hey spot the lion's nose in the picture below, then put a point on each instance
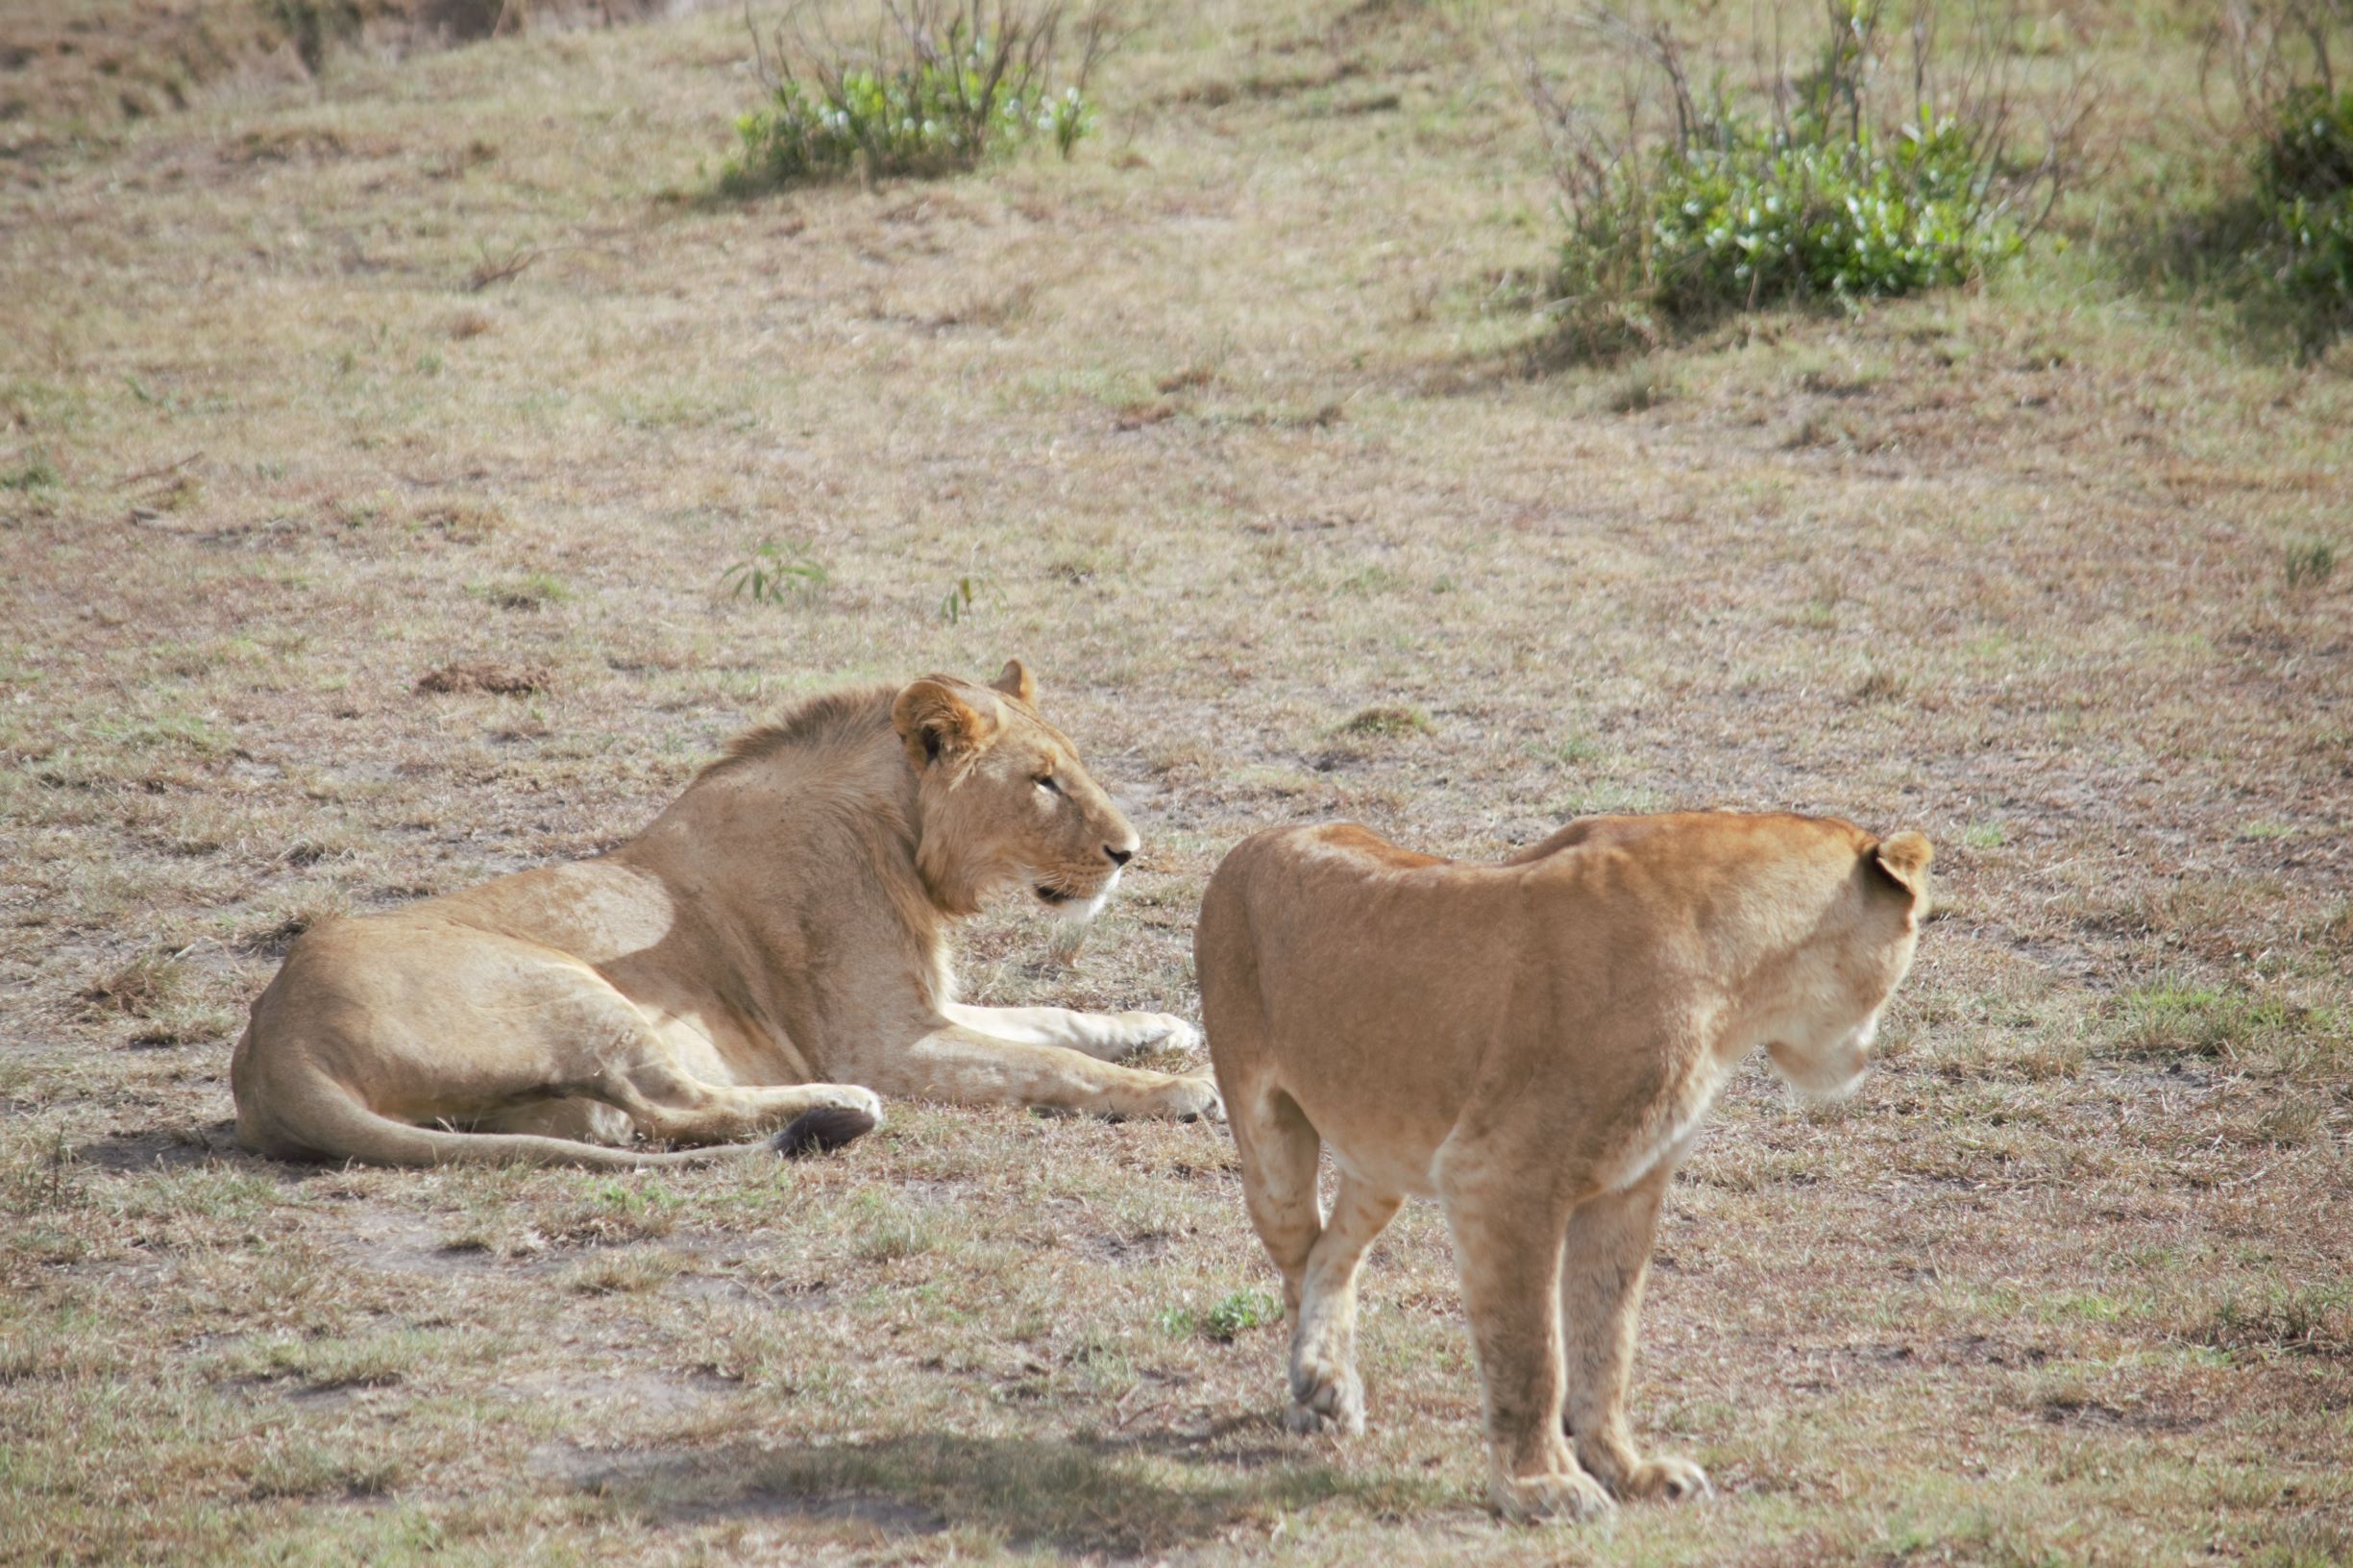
(1118, 857)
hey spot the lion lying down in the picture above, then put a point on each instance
(771, 949)
(1533, 1044)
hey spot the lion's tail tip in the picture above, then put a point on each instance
(823, 1130)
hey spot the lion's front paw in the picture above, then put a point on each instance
(1326, 1398)
(1194, 1097)
(850, 1097)
(1166, 1031)
(1675, 1480)
(1558, 1494)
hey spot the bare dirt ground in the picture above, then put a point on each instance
(317, 387)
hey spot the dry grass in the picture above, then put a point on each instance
(1228, 425)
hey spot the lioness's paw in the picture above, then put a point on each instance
(1675, 1480)
(1561, 1494)
(1166, 1030)
(1194, 1097)
(1326, 1398)
(849, 1098)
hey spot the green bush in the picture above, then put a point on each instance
(2306, 174)
(1749, 214)
(1702, 204)
(949, 89)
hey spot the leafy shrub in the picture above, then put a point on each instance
(2307, 183)
(1811, 193)
(2286, 240)
(941, 88)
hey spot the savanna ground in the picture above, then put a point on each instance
(1238, 428)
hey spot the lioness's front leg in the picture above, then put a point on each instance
(1108, 1036)
(960, 1065)
(1508, 1241)
(1605, 1259)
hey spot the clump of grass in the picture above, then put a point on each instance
(1387, 721)
(1812, 190)
(2171, 1021)
(533, 592)
(943, 86)
(774, 574)
(888, 1229)
(33, 473)
(368, 1362)
(1643, 389)
(2304, 1319)
(2310, 563)
(1879, 686)
(142, 988)
(1241, 1310)
(621, 1273)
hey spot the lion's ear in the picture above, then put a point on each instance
(1015, 682)
(934, 722)
(1905, 857)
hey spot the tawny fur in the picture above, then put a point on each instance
(773, 943)
(1533, 1044)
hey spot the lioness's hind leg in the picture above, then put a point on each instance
(1605, 1259)
(1326, 1391)
(667, 1102)
(1278, 1150)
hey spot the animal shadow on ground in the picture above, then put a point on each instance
(1070, 1497)
(173, 1147)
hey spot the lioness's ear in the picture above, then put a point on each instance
(1905, 856)
(934, 722)
(1013, 681)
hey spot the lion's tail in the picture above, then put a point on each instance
(336, 1125)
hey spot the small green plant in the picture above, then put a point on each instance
(1813, 192)
(34, 474)
(944, 86)
(1243, 1310)
(533, 592)
(962, 599)
(1386, 721)
(774, 574)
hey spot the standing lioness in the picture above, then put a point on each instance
(1533, 1043)
(773, 946)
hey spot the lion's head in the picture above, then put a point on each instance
(1821, 1042)
(1005, 800)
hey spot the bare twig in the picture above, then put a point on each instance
(146, 474)
(489, 272)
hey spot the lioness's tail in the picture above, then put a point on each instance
(334, 1125)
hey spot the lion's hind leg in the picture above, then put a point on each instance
(653, 1091)
(1326, 1391)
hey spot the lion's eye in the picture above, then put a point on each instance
(1046, 782)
